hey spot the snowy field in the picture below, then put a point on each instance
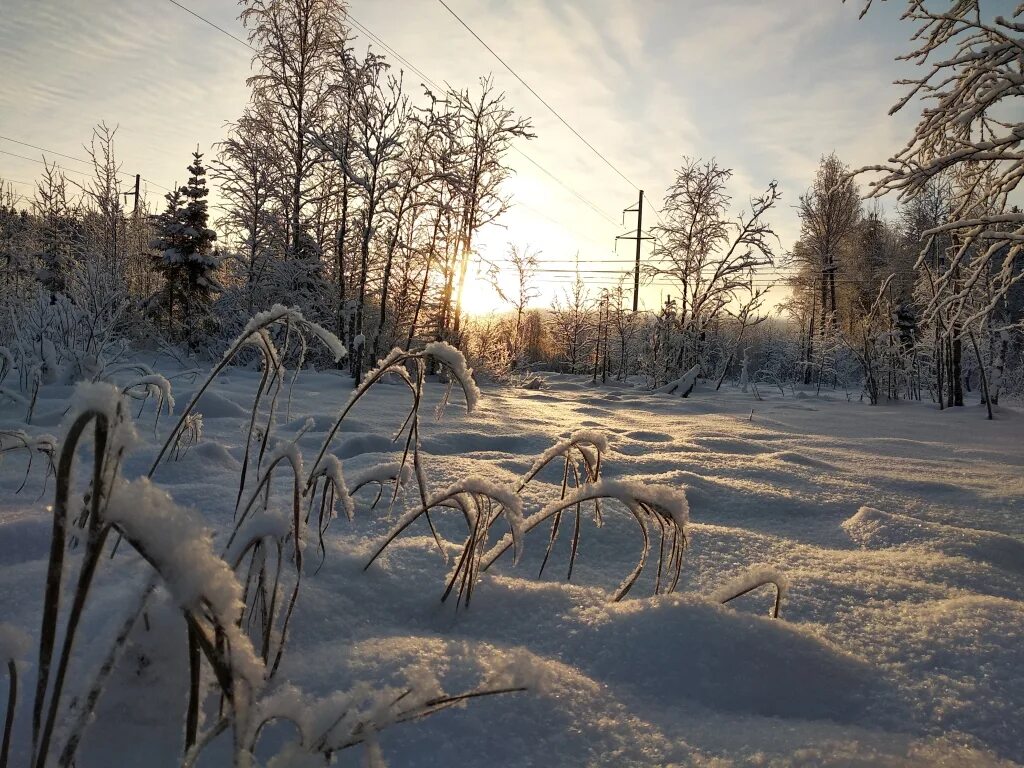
(900, 529)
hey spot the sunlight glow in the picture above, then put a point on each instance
(479, 296)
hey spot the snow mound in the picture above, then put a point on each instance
(214, 406)
(874, 529)
(724, 659)
(214, 453)
(356, 445)
(966, 655)
(565, 715)
(793, 457)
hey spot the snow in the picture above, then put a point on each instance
(14, 644)
(330, 468)
(682, 386)
(332, 342)
(180, 548)
(384, 472)
(898, 529)
(258, 525)
(99, 397)
(104, 399)
(872, 528)
(178, 545)
(157, 386)
(581, 438)
(276, 314)
(453, 360)
(629, 492)
(215, 406)
(750, 580)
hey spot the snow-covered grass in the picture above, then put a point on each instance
(898, 530)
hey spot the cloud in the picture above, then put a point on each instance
(765, 87)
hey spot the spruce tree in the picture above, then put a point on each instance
(185, 255)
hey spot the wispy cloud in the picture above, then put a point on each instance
(765, 86)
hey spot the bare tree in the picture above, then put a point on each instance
(488, 128)
(523, 262)
(104, 220)
(627, 325)
(710, 255)
(247, 177)
(416, 173)
(57, 228)
(300, 47)
(571, 323)
(381, 117)
(746, 317)
(829, 213)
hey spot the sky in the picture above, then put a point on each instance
(766, 87)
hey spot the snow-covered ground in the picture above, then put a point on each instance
(900, 529)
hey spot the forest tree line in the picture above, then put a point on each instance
(349, 192)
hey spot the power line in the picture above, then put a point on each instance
(418, 71)
(437, 87)
(369, 33)
(551, 109)
(68, 157)
(569, 189)
(42, 149)
(207, 21)
(40, 162)
(539, 98)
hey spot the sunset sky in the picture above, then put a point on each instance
(765, 87)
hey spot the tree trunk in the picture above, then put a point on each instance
(984, 380)
(382, 318)
(957, 369)
(423, 285)
(342, 237)
(810, 349)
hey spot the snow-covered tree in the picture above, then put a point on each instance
(829, 213)
(969, 132)
(185, 254)
(487, 128)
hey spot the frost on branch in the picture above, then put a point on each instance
(14, 643)
(455, 362)
(658, 508)
(751, 579)
(970, 132)
(482, 502)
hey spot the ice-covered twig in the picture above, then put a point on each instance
(155, 386)
(481, 502)
(19, 440)
(584, 445)
(651, 505)
(750, 580)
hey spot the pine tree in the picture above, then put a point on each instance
(185, 255)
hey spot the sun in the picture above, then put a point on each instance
(479, 296)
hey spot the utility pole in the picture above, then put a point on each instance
(639, 237)
(135, 194)
(135, 220)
